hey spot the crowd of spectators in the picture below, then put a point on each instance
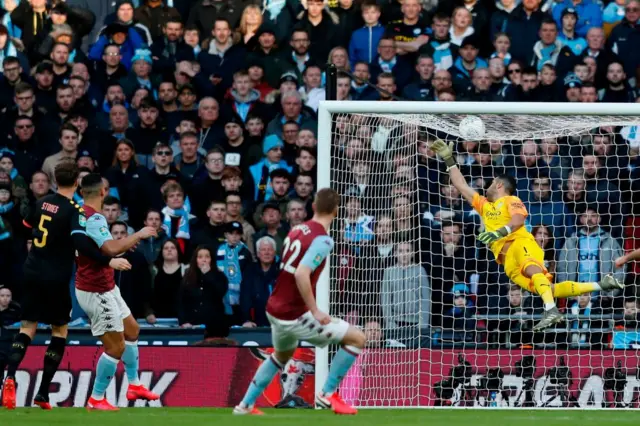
(201, 116)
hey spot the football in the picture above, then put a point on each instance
(471, 127)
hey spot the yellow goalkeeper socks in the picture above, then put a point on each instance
(543, 287)
(572, 288)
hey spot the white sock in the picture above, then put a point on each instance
(549, 306)
(597, 287)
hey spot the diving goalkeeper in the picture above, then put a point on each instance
(512, 245)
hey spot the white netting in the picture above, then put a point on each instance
(445, 326)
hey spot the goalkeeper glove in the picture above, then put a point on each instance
(445, 151)
(493, 236)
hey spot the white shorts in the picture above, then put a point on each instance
(287, 334)
(105, 310)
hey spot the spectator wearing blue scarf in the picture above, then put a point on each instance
(233, 259)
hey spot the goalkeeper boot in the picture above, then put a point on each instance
(140, 392)
(610, 283)
(42, 402)
(9, 394)
(550, 317)
(240, 410)
(100, 405)
(335, 402)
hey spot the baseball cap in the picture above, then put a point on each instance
(569, 11)
(471, 40)
(44, 66)
(289, 76)
(234, 226)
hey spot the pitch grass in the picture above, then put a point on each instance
(223, 417)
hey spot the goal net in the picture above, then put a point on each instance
(445, 327)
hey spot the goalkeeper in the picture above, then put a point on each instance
(513, 246)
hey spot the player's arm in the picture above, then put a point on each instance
(313, 258)
(629, 257)
(98, 231)
(445, 151)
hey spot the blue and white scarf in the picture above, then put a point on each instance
(228, 262)
(274, 7)
(183, 225)
(387, 66)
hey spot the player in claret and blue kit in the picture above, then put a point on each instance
(294, 315)
(100, 298)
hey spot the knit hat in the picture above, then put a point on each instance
(460, 289)
(271, 142)
(572, 81)
(5, 153)
(142, 54)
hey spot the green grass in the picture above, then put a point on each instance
(223, 417)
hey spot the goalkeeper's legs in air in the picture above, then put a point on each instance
(285, 341)
(524, 266)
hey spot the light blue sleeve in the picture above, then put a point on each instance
(98, 229)
(317, 252)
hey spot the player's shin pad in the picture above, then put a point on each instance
(572, 288)
(542, 286)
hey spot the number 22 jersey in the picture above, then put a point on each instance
(306, 244)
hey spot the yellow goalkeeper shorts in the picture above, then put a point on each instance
(522, 253)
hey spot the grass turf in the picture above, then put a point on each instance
(203, 417)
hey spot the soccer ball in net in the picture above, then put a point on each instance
(471, 127)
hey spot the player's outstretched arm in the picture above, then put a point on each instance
(634, 255)
(116, 247)
(445, 151)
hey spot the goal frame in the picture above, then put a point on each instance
(325, 128)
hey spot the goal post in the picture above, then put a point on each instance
(374, 154)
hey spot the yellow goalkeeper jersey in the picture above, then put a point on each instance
(498, 214)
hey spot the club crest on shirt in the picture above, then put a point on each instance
(231, 270)
(499, 205)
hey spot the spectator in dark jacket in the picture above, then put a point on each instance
(169, 272)
(210, 232)
(154, 15)
(169, 48)
(124, 15)
(258, 284)
(127, 38)
(220, 58)
(202, 294)
(204, 14)
(388, 61)
(523, 25)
